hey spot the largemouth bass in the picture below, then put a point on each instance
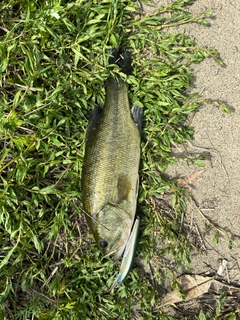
(110, 168)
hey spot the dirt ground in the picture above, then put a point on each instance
(216, 209)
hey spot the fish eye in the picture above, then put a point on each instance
(103, 243)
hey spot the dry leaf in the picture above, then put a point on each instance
(192, 286)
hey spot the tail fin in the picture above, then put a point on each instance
(122, 59)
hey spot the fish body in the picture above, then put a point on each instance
(110, 169)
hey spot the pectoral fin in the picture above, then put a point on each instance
(124, 187)
(95, 116)
(137, 114)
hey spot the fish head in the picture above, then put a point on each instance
(112, 228)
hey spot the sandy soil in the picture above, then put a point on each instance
(217, 189)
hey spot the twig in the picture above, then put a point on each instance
(237, 267)
(199, 234)
(62, 174)
(50, 277)
(206, 219)
(21, 86)
(183, 182)
(42, 296)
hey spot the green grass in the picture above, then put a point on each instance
(54, 60)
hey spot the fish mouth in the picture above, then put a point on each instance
(116, 253)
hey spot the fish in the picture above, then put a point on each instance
(110, 177)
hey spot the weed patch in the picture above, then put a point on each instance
(54, 61)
